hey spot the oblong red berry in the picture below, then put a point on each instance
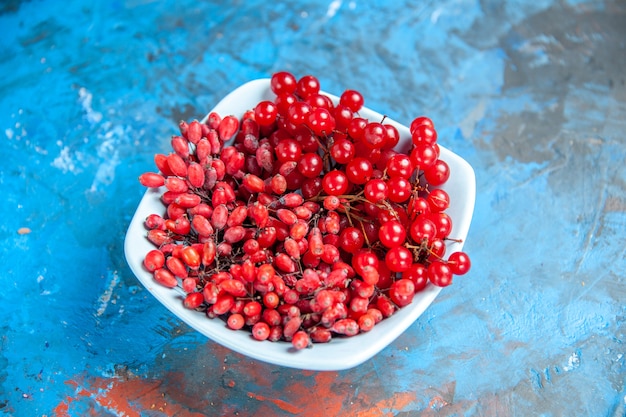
(193, 300)
(188, 200)
(151, 179)
(234, 234)
(195, 175)
(227, 128)
(165, 278)
(194, 132)
(154, 260)
(177, 165)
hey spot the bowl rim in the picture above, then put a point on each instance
(341, 353)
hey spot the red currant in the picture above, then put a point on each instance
(307, 85)
(375, 190)
(439, 274)
(283, 82)
(399, 259)
(310, 165)
(265, 113)
(438, 173)
(352, 99)
(374, 135)
(342, 151)
(459, 263)
(359, 170)
(392, 233)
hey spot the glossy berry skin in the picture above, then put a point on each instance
(335, 183)
(375, 190)
(422, 229)
(392, 233)
(265, 113)
(321, 121)
(399, 189)
(459, 263)
(402, 292)
(439, 273)
(424, 134)
(352, 99)
(399, 259)
(423, 156)
(342, 151)
(438, 173)
(374, 135)
(400, 165)
(419, 121)
(307, 86)
(288, 150)
(283, 82)
(438, 200)
(417, 274)
(351, 239)
(359, 170)
(310, 165)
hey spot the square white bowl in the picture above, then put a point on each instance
(342, 352)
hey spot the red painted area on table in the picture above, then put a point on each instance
(224, 383)
(283, 405)
(124, 397)
(317, 395)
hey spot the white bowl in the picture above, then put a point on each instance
(341, 352)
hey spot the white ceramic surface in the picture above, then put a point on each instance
(340, 353)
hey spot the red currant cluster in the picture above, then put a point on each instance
(299, 221)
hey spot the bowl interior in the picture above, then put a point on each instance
(340, 353)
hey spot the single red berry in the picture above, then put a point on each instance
(321, 121)
(438, 173)
(359, 170)
(288, 150)
(421, 120)
(459, 263)
(400, 165)
(335, 182)
(439, 273)
(399, 259)
(402, 292)
(417, 274)
(398, 189)
(193, 300)
(310, 165)
(424, 134)
(151, 179)
(165, 278)
(154, 260)
(351, 239)
(352, 99)
(392, 233)
(283, 82)
(301, 340)
(423, 156)
(422, 229)
(261, 331)
(307, 85)
(438, 200)
(342, 151)
(375, 190)
(265, 113)
(236, 321)
(374, 135)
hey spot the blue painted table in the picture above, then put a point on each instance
(532, 94)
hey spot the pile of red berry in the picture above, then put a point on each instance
(300, 221)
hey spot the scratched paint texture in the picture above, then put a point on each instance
(532, 94)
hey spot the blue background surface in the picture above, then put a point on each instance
(532, 94)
